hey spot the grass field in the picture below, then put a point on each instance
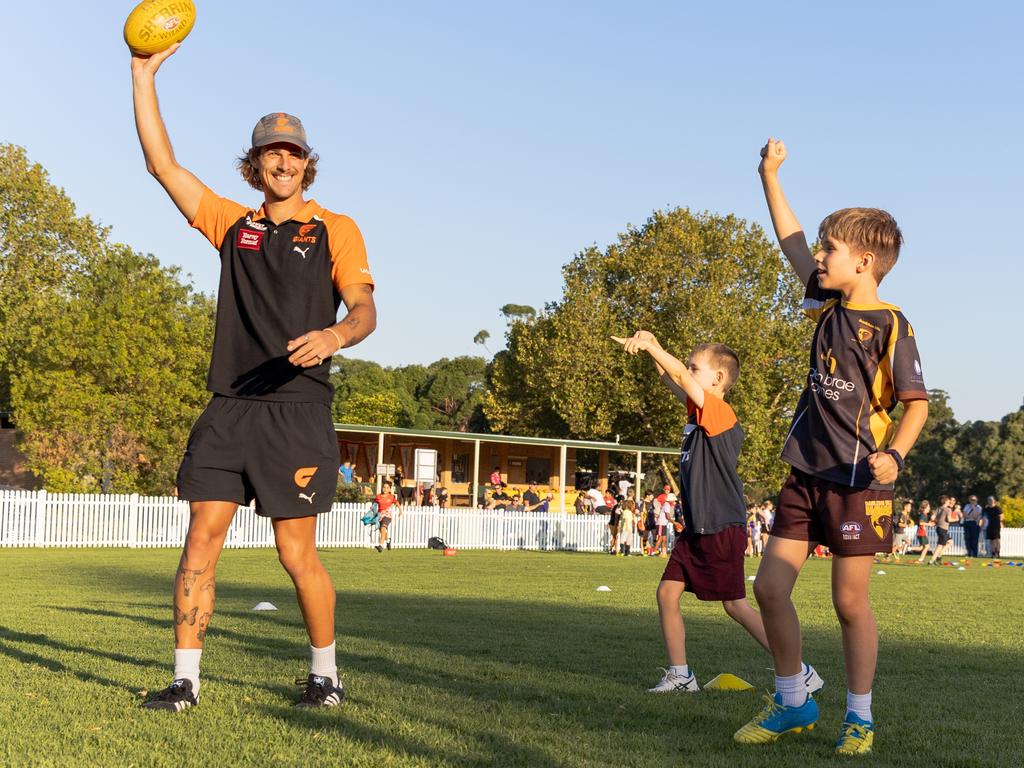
(485, 659)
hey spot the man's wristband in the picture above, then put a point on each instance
(338, 339)
(897, 458)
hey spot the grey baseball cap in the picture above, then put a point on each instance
(279, 126)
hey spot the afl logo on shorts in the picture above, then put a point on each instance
(303, 475)
(850, 530)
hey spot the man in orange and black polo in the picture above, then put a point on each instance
(267, 434)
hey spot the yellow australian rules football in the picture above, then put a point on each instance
(156, 25)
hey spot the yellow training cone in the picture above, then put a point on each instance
(727, 682)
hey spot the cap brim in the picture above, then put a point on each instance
(268, 140)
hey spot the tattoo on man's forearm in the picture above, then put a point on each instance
(183, 617)
(204, 622)
(189, 576)
(351, 320)
(208, 586)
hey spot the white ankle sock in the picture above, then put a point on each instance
(186, 665)
(681, 669)
(323, 663)
(859, 704)
(792, 689)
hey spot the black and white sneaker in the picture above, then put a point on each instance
(320, 692)
(177, 697)
(813, 680)
(673, 683)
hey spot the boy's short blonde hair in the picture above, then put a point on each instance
(722, 358)
(866, 229)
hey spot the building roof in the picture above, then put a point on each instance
(510, 439)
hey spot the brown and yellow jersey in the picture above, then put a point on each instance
(277, 281)
(864, 360)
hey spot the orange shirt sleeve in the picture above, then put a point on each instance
(348, 252)
(216, 215)
(716, 417)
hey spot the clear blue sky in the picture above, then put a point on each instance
(479, 146)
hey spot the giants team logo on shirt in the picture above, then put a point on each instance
(304, 236)
(249, 239)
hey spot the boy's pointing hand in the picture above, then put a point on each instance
(641, 341)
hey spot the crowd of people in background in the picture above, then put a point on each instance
(652, 519)
(982, 528)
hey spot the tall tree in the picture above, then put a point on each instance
(110, 383)
(689, 278)
(452, 393)
(43, 243)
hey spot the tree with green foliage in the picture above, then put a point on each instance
(930, 468)
(518, 312)
(451, 395)
(688, 278)
(109, 385)
(377, 409)
(445, 395)
(481, 338)
(43, 243)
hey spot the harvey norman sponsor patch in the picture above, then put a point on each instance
(249, 239)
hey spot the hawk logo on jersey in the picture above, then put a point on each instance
(304, 236)
(303, 475)
(877, 510)
(866, 331)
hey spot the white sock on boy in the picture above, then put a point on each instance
(792, 689)
(859, 704)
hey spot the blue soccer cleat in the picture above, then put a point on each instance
(776, 719)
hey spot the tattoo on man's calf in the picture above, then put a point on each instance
(185, 617)
(189, 576)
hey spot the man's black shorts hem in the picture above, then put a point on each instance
(282, 454)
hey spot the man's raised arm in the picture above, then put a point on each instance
(787, 228)
(184, 189)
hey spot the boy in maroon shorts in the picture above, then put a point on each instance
(844, 450)
(707, 558)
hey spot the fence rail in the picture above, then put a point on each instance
(41, 519)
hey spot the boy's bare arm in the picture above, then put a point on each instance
(673, 371)
(883, 466)
(787, 229)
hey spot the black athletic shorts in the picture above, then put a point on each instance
(943, 534)
(283, 454)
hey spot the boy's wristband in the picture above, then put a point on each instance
(897, 458)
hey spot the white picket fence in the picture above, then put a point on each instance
(41, 519)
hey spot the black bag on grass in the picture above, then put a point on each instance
(436, 542)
